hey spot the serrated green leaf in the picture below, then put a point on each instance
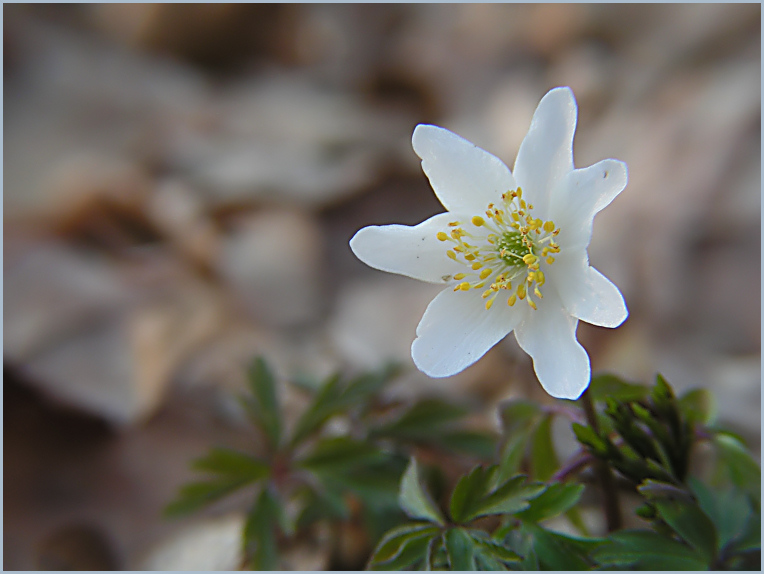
(557, 551)
(543, 458)
(393, 541)
(691, 524)
(743, 470)
(512, 454)
(647, 550)
(729, 510)
(556, 499)
(605, 386)
(232, 463)
(412, 548)
(325, 405)
(469, 490)
(508, 498)
(496, 550)
(424, 419)
(260, 532)
(336, 454)
(195, 495)
(263, 406)
(460, 549)
(699, 406)
(415, 501)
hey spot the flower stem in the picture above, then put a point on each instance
(604, 475)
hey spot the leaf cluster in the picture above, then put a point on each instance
(307, 474)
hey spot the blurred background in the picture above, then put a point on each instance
(181, 182)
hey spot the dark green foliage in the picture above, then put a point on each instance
(499, 516)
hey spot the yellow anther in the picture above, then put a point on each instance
(454, 224)
(532, 304)
(549, 226)
(479, 286)
(531, 276)
(540, 278)
(521, 291)
(460, 276)
(550, 260)
(469, 257)
(519, 192)
(537, 292)
(523, 205)
(486, 293)
(464, 286)
(515, 216)
(477, 221)
(512, 300)
(489, 303)
(451, 254)
(477, 265)
(538, 223)
(485, 273)
(458, 248)
(529, 259)
(442, 236)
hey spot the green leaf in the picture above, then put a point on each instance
(751, 538)
(263, 407)
(512, 453)
(460, 548)
(689, 522)
(393, 541)
(610, 386)
(401, 548)
(233, 464)
(509, 498)
(195, 495)
(476, 443)
(468, 491)
(729, 511)
(543, 458)
(488, 547)
(260, 532)
(556, 499)
(557, 551)
(325, 405)
(415, 501)
(743, 470)
(647, 550)
(587, 437)
(337, 454)
(699, 406)
(424, 419)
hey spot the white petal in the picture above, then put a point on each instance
(586, 293)
(548, 335)
(464, 177)
(414, 251)
(546, 154)
(582, 194)
(456, 330)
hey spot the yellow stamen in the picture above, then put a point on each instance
(477, 221)
(442, 236)
(460, 276)
(485, 273)
(488, 304)
(549, 226)
(477, 265)
(511, 301)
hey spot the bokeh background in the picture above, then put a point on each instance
(181, 182)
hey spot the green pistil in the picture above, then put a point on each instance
(511, 245)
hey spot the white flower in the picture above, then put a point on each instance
(511, 249)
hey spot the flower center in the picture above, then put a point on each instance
(508, 250)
